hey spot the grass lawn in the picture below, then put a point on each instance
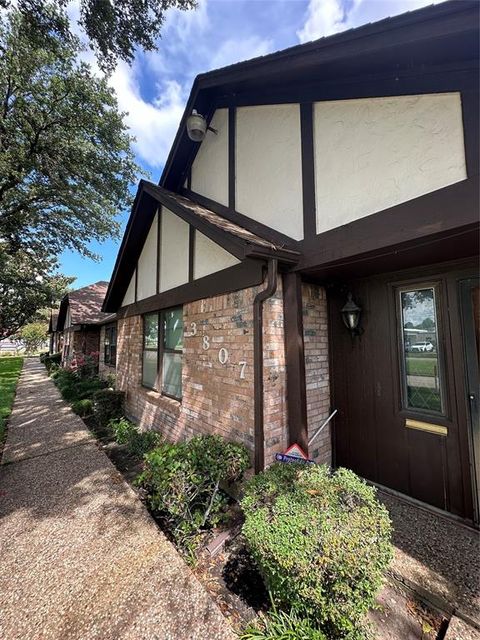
(9, 372)
(421, 366)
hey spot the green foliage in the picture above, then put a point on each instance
(65, 157)
(138, 442)
(321, 541)
(183, 482)
(115, 29)
(52, 361)
(10, 369)
(26, 282)
(108, 405)
(279, 625)
(73, 388)
(42, 356)
(83, 408)
(33, 336)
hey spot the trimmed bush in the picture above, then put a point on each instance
(52, 361)
(43, 355)
(138, 442)
(108, 405)
(83, 408)
(183, 482)
(321, 541)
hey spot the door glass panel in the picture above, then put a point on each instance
(420, 345)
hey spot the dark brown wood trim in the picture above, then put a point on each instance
(136, 281)
(438, 79)
(444, 211)
(471, 130)
(191, 253)
(232, 122)
(228, 241)
(308, 170)
(241, 276)
(189, 178)
(295, 361)
(159, 246)
(251, 225)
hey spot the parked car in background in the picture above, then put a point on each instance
(421, 347)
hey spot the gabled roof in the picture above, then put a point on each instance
(232, 237)
(436, 35)
(85, 305)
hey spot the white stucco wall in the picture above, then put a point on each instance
(174, 239)
(269, 168)
(147, 264)
(210, 167)
(209, 257)
(129, 297)
(371, 154)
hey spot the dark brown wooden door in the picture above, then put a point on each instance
(400, 387)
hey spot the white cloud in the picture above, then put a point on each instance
(325, 17)
(153, 124)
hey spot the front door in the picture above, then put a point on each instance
(400, 388)
(470, 314)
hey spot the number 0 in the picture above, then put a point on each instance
(223, 356)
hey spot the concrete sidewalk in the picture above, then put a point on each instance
(80, 557)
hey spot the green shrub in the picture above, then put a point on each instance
(183, 482)
(108, 405)
(138, 442)
(43, 355)
(321, 541)
(83, 408)
(279, 625)
(52, 361)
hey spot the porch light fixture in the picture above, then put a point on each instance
(197, 127)
(351, 316)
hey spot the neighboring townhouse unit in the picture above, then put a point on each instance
(317, 249)
(81, 321)
(55, 344)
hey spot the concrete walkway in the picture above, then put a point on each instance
(79, 555)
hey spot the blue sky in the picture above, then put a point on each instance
(154, 89)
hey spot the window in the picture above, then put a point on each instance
(162, 351)
(421, 366)
(110, 345)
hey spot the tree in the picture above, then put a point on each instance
(114, 28)
(27, 285)
(65, 157)
(33, 336)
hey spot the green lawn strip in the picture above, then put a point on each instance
(9, 373)
(421, 366)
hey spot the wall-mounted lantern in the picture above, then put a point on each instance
(197, 127)
(351, 316)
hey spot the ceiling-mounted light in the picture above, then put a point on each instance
(197, 126)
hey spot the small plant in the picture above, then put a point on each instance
(52, 361)
(183, 482)
(83, 408)
(279, 625)
(321, 541)
(108, 405)
(138, 442)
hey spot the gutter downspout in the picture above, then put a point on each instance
(260, 298)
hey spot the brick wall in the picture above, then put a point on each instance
(217, 398)
(315, 334)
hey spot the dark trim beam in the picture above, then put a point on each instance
(295, 361)
(308, 170)
(232, 122)
(191, 253)
(240, 276)
(444, 211)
